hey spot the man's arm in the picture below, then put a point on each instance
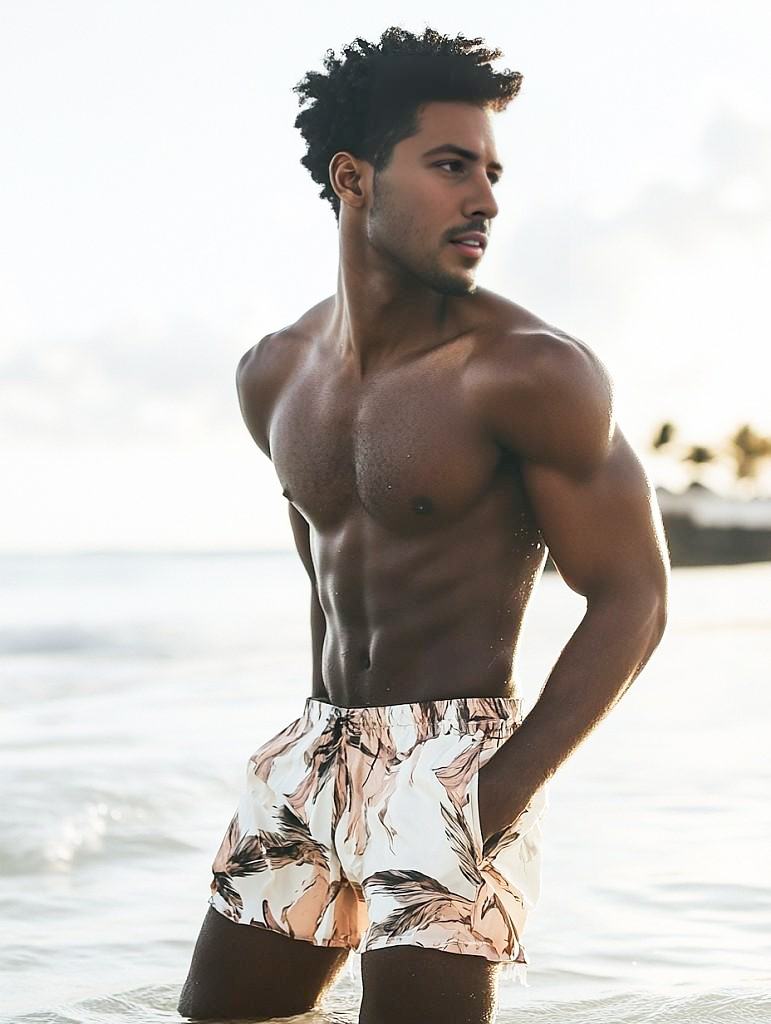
(259, 376)
(258, 379)
(599, 518)
(301, 531)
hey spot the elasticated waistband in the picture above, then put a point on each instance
(456, 714)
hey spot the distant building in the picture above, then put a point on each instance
(705, 528)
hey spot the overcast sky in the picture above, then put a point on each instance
(155, 221)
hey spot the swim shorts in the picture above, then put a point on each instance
(358, 827)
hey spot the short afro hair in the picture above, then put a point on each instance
(371, 100)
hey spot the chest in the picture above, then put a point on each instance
(407, 448)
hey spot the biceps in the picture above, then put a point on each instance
(605, 530)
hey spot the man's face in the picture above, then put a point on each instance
(422, 200)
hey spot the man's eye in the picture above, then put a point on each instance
(446, 163)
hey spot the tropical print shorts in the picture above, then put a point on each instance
(359, 827)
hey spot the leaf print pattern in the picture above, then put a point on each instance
(355, 829)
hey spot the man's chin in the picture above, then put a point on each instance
(451, 284)
(460, 288)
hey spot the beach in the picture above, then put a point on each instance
(135, 686)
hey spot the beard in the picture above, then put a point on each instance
(390, 230)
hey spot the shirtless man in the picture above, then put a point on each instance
(434, 441)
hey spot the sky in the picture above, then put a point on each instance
(156, 222)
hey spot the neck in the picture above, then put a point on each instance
(382, 313)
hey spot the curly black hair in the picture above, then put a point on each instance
(371, 100)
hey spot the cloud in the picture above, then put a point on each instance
(654, 284)
(140, 380)
(733, 198)
(596, 268)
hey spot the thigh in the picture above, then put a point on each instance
(411, 985)
(241, 970)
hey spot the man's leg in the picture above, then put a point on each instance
(411, 985)
(241, 970)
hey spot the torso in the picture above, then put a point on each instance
(423, 543)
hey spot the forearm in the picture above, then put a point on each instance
(610, 647)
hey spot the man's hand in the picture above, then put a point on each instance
(500, 801)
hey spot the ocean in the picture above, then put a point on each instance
(133, 687)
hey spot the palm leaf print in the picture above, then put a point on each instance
(424, 901)
(293, 843)
(406, 886)
(495, 878)
(455, 776)
(488, 712)
(269, 920)
(321, 760)
(463, 843)
(371, 763)
(262, 759)
(431, 713)
(500, 840)
(237, 856)
(224, 886)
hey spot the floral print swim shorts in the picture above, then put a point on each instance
(359, 827)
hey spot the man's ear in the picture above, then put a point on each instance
(345, 176)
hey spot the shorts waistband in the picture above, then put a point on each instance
(456, 714)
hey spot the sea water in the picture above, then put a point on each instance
(134, 687)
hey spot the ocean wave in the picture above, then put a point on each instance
(157, 1003)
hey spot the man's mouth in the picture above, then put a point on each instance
(469, 248)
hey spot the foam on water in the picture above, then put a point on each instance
(153, 1005)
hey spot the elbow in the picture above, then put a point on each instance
(658, 611)
(661, 599)
(644, 609)
(660, 620)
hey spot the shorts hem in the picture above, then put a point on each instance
(277, 931)
(515, 970)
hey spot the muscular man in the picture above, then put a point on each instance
(433, 440)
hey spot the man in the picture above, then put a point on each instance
(433, 440)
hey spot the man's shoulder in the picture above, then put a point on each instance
(537, 386)
(271, 359)
(518, 346)
(266, 368)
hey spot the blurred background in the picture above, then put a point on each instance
(153, 623)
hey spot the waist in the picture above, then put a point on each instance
(456, 714)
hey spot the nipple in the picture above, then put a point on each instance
(422, 505)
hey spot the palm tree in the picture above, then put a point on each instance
(663, 435)
(699, 456)
(749, 448)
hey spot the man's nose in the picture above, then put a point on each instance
(481, 200)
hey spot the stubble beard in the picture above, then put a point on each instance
(389, 231)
